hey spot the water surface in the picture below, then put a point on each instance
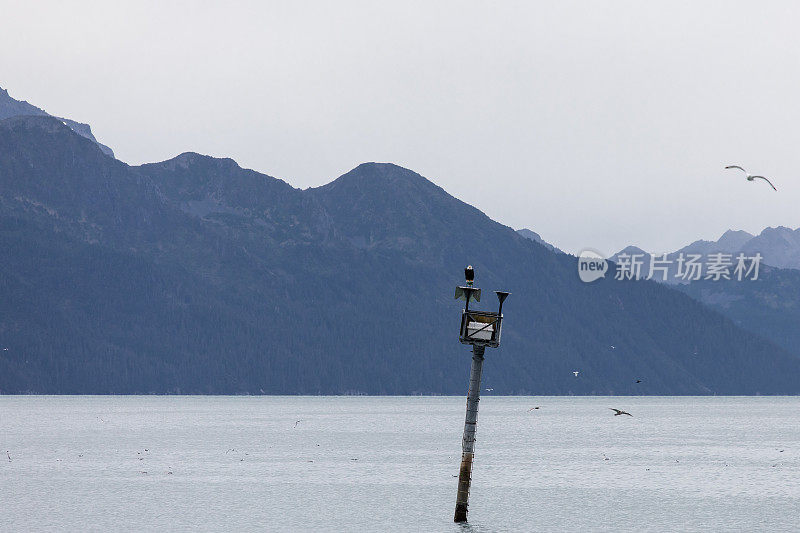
(186, 463)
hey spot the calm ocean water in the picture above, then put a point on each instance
(388, 464)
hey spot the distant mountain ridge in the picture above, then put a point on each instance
(195, 275)
(731, 241)
(779, 247)
(9, 107)
(535, 237)
(768, 306)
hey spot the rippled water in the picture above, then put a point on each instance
(383, 464)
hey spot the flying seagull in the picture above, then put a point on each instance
(489, 390)
(532, 408)
(576, 373)
(618, 412)
(295, 424)
(749, 176)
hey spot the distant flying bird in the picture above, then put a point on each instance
(618, 412)
(489, 390)
(749, 176)
(638, 381)
(613, 347)
(295, 424)
(576, 373)
(532, 408)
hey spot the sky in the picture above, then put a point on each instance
(596, 124)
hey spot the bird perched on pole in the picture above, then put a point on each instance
(749, 176)
(469, 275)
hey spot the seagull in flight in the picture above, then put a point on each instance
(532, 408)
(618, 412)
(749, 176)
(576, 373)
(295, 424)
(489, 390)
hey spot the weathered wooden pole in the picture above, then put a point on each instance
(470, 427)
(480, 329)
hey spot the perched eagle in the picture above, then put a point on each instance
(469, 274)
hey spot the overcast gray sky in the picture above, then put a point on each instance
(596, 124)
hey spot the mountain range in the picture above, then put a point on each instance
(194, 275)
(768, 305)
(779, 247)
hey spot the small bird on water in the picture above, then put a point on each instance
(749, 176)
(618, 412)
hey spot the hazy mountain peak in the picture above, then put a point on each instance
(778, 246)
(532, 235)
(779, 230)
(190, 159)
(9, 107)
(382, 176)
(43, 122)
(734, 239)
(193, 177)
(630, 250)
(730, 242)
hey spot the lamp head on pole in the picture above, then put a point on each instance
(501, 295)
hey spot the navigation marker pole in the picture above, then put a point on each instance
(480, 329)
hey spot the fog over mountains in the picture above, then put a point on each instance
(194, 275)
